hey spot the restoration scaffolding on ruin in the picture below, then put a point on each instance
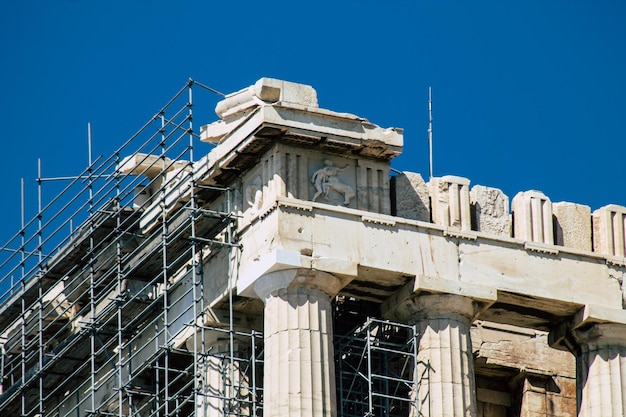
(102, 290)
(104, 294)
(269, 277)
(375, 362)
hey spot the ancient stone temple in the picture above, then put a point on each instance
(287, 271)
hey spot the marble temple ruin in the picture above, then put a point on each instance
(288, 271)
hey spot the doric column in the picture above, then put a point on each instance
(299, 377)
(444, 376)
(601, 370)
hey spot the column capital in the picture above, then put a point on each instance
(271, 282)
(426, 306)
(592, 324)
(600, 335)
(430, 298)
(600, 350)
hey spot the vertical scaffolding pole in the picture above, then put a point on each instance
(414, 393)
(231, 323)
(370, 400)
(41, 342)
(164, 243)
(120, 277)
(23, 341)
(196, 262)
(253, 372)
(40, 284)
(23, 307)
(39, 213)
(92, 294)
(22, 232)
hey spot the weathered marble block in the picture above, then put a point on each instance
(572, 225)
(411, 197)
(450, 202)
(532, 217)
(490, 211)
(609, 230)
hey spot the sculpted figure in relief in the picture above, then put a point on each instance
(325, 179)
(254, 194)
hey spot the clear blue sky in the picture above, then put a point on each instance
(527, 94)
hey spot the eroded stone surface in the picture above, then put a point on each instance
(572, 225)
(411, 197)
(490, 212)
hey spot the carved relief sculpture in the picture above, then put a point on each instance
(325, 179)
(254, 194)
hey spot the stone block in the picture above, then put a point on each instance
(450, 203)
(411, 199)
(572, 225)
(608, 230)
(490, 211)
(533, 403)
(266, 90)
(532, 217)
(566, 385)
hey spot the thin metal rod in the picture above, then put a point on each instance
(196, 262)
(23, 217)
(414, 393)
(78, 177)
(370, 404)
(23, 235)
(164, 272)
(430, 132)
(231, 312)
(39, 212)
(41, 344)
(89, 143)
(119, 273)
(207, 88)
(23, 307)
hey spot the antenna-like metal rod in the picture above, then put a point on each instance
(23, 208)
(430, 132)
(89, 142)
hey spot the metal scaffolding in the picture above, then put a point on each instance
(103, 298)
(375, 364)
(102, 292)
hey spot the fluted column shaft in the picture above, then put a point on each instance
(444, 375)
(601, 369)
(299, 376)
